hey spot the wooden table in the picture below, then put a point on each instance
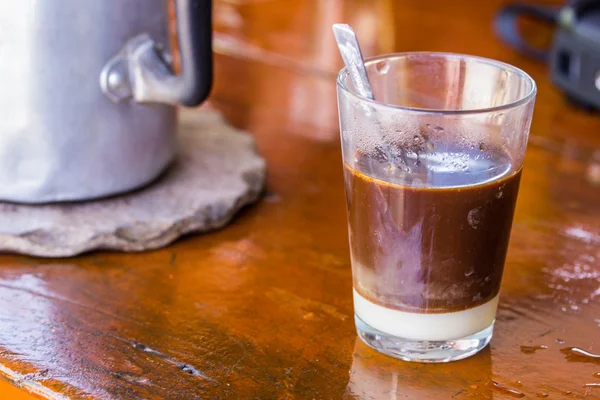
(263, 308)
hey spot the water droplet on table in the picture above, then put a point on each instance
(575, 354)
(506, 390)
(532, 349)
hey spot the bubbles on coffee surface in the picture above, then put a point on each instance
(435, 164)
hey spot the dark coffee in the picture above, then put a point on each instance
(430, 249)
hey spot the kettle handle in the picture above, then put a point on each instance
(194, 29)
(140, 70)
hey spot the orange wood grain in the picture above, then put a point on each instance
(9, 391)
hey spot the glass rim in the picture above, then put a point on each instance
(495, 63)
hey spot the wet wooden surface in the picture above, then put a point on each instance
(263, 308)
(9, 391)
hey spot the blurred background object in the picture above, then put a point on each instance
(573, 53)
(245, 29)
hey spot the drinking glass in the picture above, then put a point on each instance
(432, 169)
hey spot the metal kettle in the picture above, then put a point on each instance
(88, 94)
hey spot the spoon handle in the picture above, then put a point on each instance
(350, 50)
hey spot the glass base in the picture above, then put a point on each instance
(423, 351)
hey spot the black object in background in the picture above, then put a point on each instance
(574, 56)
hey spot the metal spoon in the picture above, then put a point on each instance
(350, 50)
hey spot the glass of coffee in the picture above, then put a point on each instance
(432, 169)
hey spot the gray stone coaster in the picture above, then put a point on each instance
(217, 172)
